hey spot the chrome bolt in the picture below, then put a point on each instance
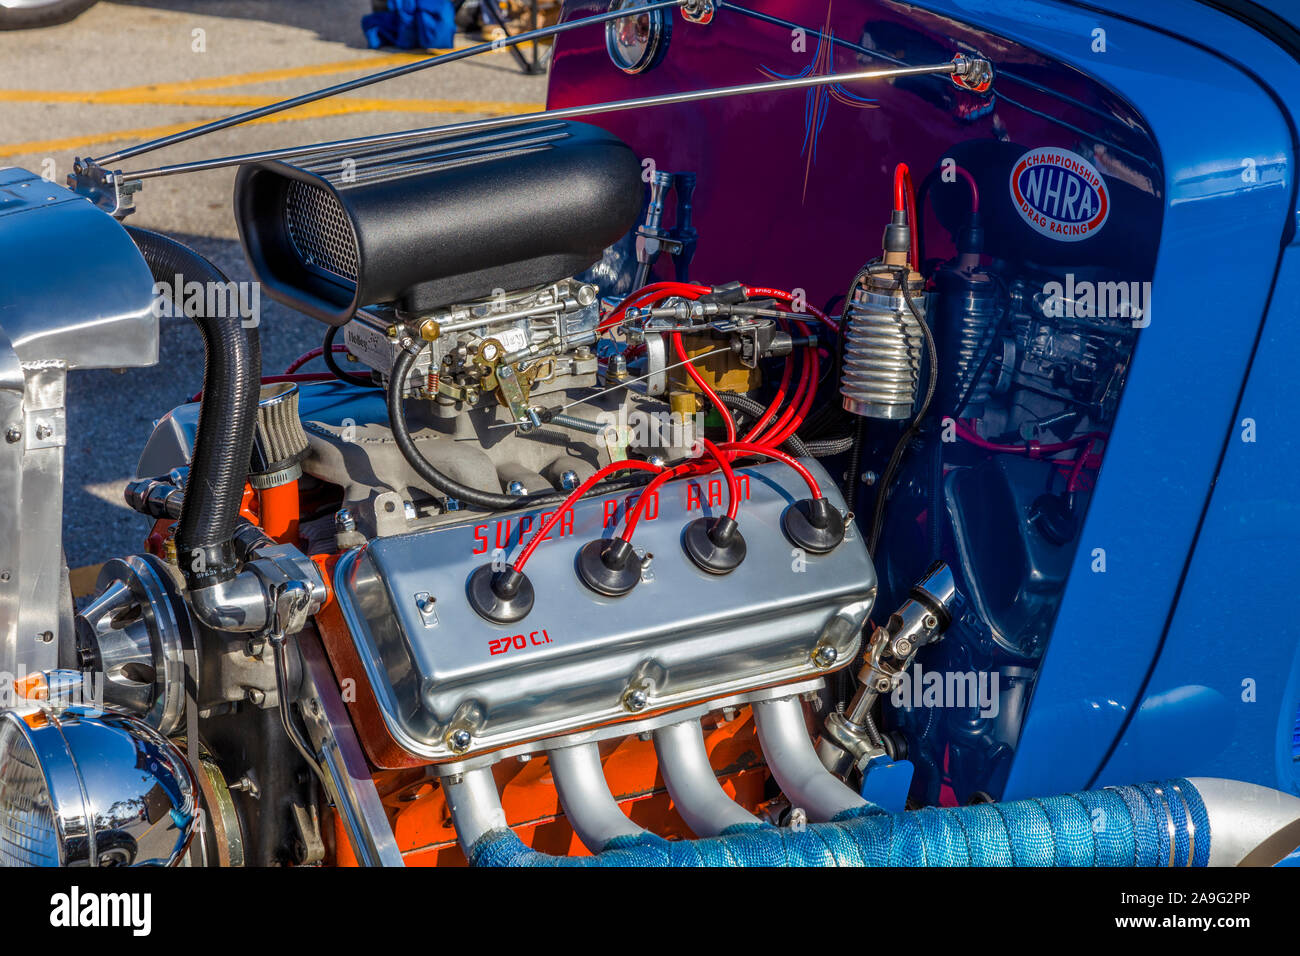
(902, 647)
(13, 434)
(825, 656)
(636, 699)
(343, 521)
(869, 478)
(517, 489)
(657, 460)
(255, 696)
(459, 740)
(569, 480)
(45, 637)
(883, 685)
(930, 621)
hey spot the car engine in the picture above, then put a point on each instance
(563, 559)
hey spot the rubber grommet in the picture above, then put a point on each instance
(502, 597)
(814, 525)
(714, 544)
(609, 566)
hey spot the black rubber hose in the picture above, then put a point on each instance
(826, 447)
(755, 410)
(223, 444)
(904, 440)
(821, 448)
(853, 474)
(333, 365)
(488, 500)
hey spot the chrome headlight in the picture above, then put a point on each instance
(81, 787)
(638, 41)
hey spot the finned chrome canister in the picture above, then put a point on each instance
(967, 311)
(883, 345)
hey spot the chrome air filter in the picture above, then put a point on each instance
(419, 225)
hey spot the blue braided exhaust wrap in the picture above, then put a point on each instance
(1150, 824)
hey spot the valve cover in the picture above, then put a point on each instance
(439, 671)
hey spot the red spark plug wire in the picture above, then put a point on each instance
(744, 448)
(905, 201)
(689, 364)
(974, 189)
(723, 463)
(648, 294)
(1032, 449)
(756, 430)
(568, 503)
(306, 357)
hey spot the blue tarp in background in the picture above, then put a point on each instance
(412, 25)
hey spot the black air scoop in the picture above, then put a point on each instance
(428, 224)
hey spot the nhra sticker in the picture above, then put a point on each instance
(1059, 194)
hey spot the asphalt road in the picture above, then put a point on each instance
(128, 71)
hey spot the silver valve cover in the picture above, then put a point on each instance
(452, 684)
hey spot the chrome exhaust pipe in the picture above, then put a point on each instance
(692, 784)
(805, 781)
(584, 793)
(475, 805)
(1250, 825)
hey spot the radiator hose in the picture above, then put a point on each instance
(223, 445)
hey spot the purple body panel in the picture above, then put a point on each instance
(794, 187)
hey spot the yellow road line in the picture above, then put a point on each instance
(248, 101)
(325, 108)
(126, 93)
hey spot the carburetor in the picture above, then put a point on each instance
(514, 345)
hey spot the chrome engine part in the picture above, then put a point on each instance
(883, 347)
(544, 336)
(451, 684)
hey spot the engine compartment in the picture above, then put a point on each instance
(585, 538)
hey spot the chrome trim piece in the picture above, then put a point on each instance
(347, 776)
(1250, 825)
(97, 315)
